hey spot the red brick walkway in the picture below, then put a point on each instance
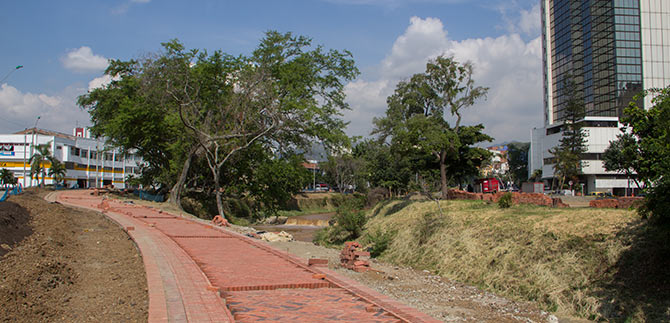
(200, 273)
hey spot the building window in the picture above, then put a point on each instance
(551, 131)
(601, 124)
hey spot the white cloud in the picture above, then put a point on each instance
(518, 18)
(530, 21)
(101, 81)
(508, 65)
(82, 60)
(57, 112)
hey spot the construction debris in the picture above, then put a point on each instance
(349, 257)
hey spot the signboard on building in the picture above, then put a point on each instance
(6, 149)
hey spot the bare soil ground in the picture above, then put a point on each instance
(72, 265)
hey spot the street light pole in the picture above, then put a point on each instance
(25, 148)
(32, 145)
(10, 72)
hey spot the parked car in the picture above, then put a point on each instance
(321, 188)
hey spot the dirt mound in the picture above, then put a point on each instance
(76, 266)
(13, 225)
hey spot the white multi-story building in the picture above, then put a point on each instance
(89, 162)
(612, 49)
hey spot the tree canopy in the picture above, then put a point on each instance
(415, 119)
(517, 158)
(181, 105)
(568, 154)
(644, 148)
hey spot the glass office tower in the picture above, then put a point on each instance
(612, 49)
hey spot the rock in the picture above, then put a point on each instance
(273, 237)
(275, 220)
(552, 319)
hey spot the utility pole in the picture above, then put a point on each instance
(32, 144)
(97, 155)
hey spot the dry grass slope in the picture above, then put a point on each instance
(556, 257)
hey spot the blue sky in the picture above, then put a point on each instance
(63, 46)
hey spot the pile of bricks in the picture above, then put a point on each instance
(104, 205)
(617, 203)
(220, 221)
(349, 257)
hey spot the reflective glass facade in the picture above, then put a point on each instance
(597, 43)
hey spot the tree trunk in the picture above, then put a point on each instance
(219, 201)
(175, 192)
(443, 175)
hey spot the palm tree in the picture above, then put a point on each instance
(42, 153)
(57, 170)
(6, 176)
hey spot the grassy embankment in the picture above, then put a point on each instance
(315, 203)
(242, 211)
(581, 262)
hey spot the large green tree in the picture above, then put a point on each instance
(644, 148)
(415, 119)
(179, 105)
(568, 154)
(517, 158)
(286, 94)
(343, 171)
(135, 113)
(623, 156)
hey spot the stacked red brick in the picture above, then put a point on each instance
(517, 198)
(618, 203)
(349, 257)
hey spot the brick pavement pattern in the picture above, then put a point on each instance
(197, 272)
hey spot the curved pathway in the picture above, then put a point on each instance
(201, 273)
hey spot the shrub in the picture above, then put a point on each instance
(349, 222)
(505, 201)
(321, 236)
(375, 195)
(380, 241)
